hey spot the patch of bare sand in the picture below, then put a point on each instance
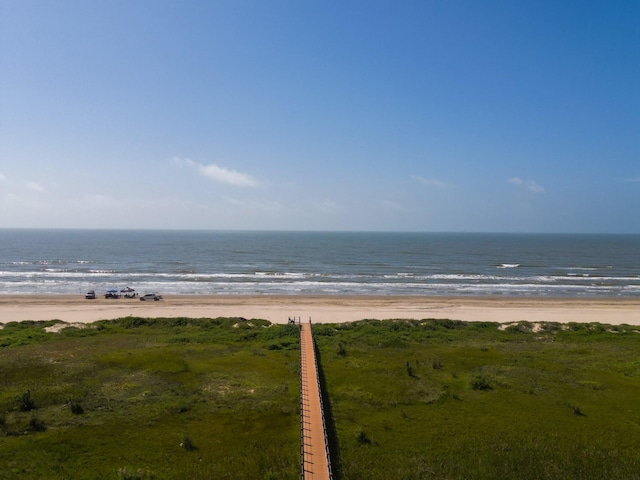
(57, 327)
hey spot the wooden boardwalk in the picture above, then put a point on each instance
(314, 449)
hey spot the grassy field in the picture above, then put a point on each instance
(179, 399)
(218, 398)
(455, 400)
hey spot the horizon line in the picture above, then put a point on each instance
(239, 230)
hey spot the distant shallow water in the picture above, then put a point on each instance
(319, 263)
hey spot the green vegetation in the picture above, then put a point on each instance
(139, 398)
(444, 399)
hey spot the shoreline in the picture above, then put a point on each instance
(325, 308)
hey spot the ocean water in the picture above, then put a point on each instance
(319, 263)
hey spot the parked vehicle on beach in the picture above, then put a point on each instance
(150, 296)
(129, 292)
(91, 295)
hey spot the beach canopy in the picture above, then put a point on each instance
(127, 290)
(115, 290)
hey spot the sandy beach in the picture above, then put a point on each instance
(324, 309)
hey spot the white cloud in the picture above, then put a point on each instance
(36, 187)
(219, 174)
(516, 181)
(223, 175)
(430, 182)
(530, 185)
(2, 177)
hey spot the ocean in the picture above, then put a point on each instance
(318, 263)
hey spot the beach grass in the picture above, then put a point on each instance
(140, 398)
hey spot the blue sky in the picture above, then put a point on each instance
(494, 116)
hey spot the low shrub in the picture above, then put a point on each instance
(576, 410)
(76, 407)
(481, 382)
(35, 424)
(26, 402)
(188, 444)
(409, 369)
(363, 438)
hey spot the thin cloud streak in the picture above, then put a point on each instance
(530, 185)
(431, 182)
(219, 174)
